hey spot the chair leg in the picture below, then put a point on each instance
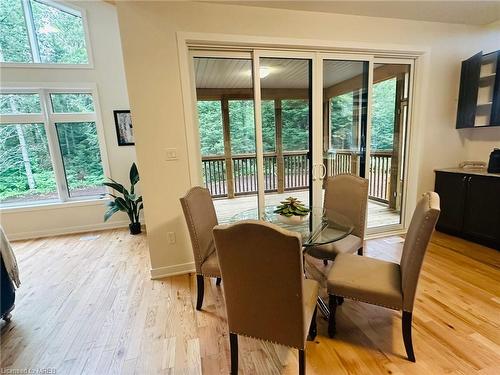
(325, 262)
(360, 251)
(332, 302)
(302, 362)
(218, 281)
(407, 317)
(233, 343)
(200, 282)
(313, 328)
(340, 300)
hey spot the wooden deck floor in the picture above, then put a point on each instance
(378, 213)
(87, 306)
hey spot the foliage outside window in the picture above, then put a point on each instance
(295, 117)
(30, 170)
(242, 126)
(384, 101)
(81, 158)
(26, 172)
(210, 127)
(34, 31)
(342, 126)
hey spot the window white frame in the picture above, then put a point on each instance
(49, 119)
(30, 30)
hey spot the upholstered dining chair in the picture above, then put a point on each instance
(347, 195)
(267, 296)
(201, 219)
(384, 283)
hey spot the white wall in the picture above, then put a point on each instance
(480, 142)
(108, 74)
(148, 31)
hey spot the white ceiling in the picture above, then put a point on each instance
(464, 12)
(283, 73)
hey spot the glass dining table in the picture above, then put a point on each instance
(320, 227)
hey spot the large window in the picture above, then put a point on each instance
(41, 31)
(49, 147)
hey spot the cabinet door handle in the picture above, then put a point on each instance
(464, 179)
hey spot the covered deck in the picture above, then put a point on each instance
(378, 213)
(231, 175)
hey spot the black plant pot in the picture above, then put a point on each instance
(135, 228)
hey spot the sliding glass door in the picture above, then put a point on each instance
(286, 119)
(390, 109)
(274, 124)
(226, 125)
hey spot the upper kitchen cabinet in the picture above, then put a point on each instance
(479, 96)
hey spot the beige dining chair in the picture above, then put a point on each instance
(267, 296)
(347, 195)
(384, 283)
(201, 219)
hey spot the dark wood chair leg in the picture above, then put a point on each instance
(407, 317)
(200, 282)
(340, 300)
(218, 281)
(233, 343)
(302, 362)
(332, 302)
(360, 251)
(313, 328)
(325, 262)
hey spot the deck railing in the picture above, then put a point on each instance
(295, 172)
(346, 161)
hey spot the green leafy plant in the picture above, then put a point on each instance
(130, 202)
(292, 207)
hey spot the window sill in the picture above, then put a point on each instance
(54, 205)
(45, 65)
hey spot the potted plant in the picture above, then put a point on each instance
(292, 211)
(129, 203)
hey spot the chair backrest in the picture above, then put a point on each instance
(417, 238)
(201, 219)
(347, 194)
(261, 265)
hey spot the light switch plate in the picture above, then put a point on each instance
(170, 154)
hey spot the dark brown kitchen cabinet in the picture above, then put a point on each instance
(470, 206)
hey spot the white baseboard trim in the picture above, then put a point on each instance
(178, 269)
(67, 230)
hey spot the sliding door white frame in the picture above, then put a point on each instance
(243, 44)
(404, 215)
(318, 134)
(190, 108)
(259, 54)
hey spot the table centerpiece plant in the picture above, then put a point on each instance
(130, 202)
(292, 211)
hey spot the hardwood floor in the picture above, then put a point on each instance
(87, 305)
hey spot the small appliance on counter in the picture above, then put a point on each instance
(494, 164)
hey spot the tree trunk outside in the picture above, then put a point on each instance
(24, 149)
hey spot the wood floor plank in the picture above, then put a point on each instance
(87, 305)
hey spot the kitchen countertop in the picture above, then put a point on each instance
(479, 172)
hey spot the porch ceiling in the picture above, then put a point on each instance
(283, 73)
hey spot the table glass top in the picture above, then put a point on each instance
(329, 226)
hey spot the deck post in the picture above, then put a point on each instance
(227, 147)
(396, 143)
(280, 160)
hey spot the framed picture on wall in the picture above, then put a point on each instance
(124, 128)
